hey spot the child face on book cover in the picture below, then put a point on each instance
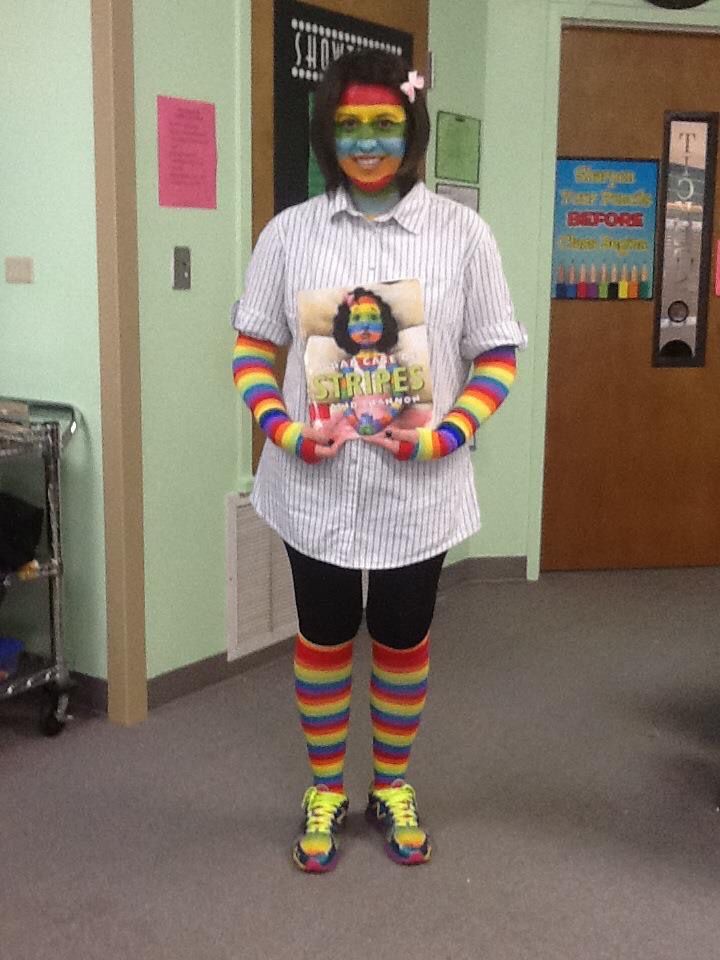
(370, 140)
(365, 324)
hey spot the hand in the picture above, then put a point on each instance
(392, 438)
(326, 446)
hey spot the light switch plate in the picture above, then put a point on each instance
(181, 268)
(19, 270)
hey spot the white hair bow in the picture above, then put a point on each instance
(414, 82)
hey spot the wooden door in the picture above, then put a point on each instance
(410, 16)
(632, 476)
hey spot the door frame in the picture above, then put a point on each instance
(574, 13)
(119, 331)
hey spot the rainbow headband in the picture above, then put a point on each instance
(374, 94)
(369, 95)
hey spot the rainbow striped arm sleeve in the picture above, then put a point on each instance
(490, 380)
(254, 373)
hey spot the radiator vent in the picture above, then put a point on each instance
(260, 599)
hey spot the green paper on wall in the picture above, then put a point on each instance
(457, 153)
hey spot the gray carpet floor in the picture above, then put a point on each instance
(568, 767)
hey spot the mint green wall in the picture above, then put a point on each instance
(49, 329)
(192, 453)
(463, 78)
(456, 37)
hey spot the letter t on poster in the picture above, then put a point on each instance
(187, 153)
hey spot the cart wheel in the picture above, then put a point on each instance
(54, 713)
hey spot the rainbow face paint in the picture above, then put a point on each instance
(370, 135)
(365, 324)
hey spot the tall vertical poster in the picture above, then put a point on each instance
(307, 40)
(604, 238)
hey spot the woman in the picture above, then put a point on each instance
(392, 502)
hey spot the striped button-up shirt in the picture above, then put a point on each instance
(363, 508)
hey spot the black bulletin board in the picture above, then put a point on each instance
(307, 39)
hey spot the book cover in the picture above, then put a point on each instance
(366, 358)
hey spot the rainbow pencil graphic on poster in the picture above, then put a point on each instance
(605, 220)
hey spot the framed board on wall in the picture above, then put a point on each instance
(307, 40)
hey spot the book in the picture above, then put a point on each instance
(366, 358)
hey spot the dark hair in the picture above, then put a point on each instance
(371, 67)
(340, 325)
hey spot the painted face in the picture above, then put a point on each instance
(365, 324)
(370, 135)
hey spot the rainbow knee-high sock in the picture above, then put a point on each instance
(323, 681)
(397, 696)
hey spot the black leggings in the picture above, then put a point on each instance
(400, 602)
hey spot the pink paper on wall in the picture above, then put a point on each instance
(187, 153)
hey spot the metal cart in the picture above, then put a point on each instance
(36, 428)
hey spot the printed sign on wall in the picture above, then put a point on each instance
(604, 240)
(187, 153)
(307, 40)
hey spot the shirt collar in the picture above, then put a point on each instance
(409, 213)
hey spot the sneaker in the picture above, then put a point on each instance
(394, 811)
(315, 850)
